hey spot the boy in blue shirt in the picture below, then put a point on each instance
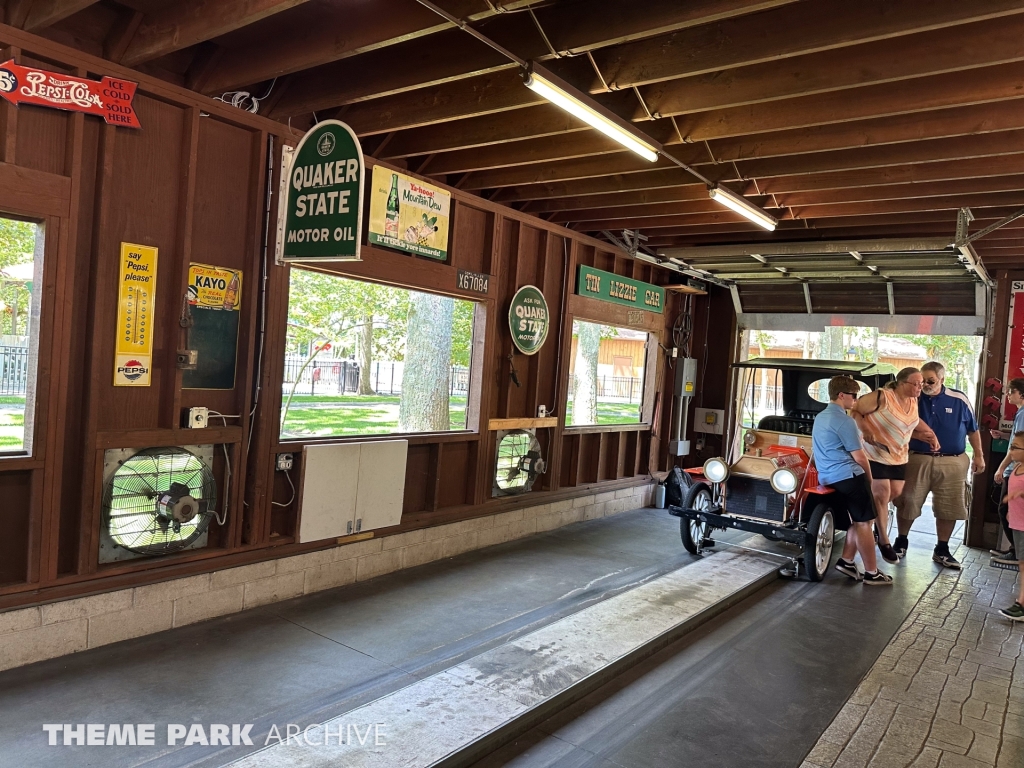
(843, 465)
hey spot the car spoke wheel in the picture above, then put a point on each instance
(821, 531)
(693, 532)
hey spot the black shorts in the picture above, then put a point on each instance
(854, 496)
(888, 471)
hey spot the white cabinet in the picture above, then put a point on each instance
(351, 487)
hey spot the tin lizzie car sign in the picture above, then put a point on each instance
(771, 486)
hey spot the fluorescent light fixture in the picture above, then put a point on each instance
(578, 104)
(743, 207)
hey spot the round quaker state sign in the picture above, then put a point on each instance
(324, 211)
(529, 319)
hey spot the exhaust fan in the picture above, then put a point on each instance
(519, 462)
(156, 501)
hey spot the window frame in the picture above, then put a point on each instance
(477, 361)
(649, 378)
(40, 318)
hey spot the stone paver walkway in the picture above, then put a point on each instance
(948, 690)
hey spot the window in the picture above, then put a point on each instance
(368, 359)
(21, 266)
(606, 375)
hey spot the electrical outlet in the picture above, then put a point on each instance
(197, 418)
(285, 461)
(542, 411)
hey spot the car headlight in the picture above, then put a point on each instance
(784, 480)
(716, 470)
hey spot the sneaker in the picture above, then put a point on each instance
(1014, 613)
(1000, 552)
(877, 579)
(942, 556)
(901, 546)
(1006, 558)
(848, 569)
(888, 553)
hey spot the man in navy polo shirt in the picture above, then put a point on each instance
(943, 473)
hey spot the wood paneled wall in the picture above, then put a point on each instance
(193, 182)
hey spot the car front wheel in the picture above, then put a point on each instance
(821, 531)
(693, 532)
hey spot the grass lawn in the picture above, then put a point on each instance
(337, 415)
(12, 424)
(611, 413)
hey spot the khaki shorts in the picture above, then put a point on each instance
(945, 477)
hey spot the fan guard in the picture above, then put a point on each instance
(158, 501)
(519, 462)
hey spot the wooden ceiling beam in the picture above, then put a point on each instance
(932, 150)
(1008, 183)
(672, 178)
(969, 120)
(975, 86)
(791, 30)
(943, 203)
(320, 33)
(997, 165)
(562, 147)
(445, 57)
(827, 227)
(815, 213)
(453, 55)
(188, 22)
(983, 43)
(956, 148)
(32, 15)
(487, 130)
(896, 193)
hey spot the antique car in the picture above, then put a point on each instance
(770, 485)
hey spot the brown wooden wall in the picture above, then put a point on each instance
(192, 182)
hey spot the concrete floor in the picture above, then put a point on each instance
(761, 681)
(754, 688)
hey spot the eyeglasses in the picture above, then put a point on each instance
(931, 381)
(854, 395)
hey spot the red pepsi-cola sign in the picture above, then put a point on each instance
(108, 98)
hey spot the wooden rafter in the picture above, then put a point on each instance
(189, 22)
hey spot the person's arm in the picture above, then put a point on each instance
(863, 406)
(978, 463)
(923, 432)
(862, 459)
(1002, 468)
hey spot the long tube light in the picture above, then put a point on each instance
(743, 207)
(560, 93)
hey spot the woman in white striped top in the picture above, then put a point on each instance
(887, 419)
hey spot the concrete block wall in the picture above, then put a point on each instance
(43, 632)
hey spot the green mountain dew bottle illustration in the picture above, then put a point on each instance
(391, 216)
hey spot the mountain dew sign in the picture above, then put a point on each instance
(324, 212)
(529, 320)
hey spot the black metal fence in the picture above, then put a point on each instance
(625, 388)
(13, 370)
(341, 377)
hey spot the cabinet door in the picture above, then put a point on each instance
(330, 479)
(381, 487)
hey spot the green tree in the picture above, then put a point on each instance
(584, 395)
(428, 353)
(959, 354)
(17, 246)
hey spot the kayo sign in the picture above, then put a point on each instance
(529, 319)
(323, 210)
(108, 98)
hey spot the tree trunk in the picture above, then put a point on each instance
(364, 355)
(762, 351)
(584, 402)
(426, 379)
